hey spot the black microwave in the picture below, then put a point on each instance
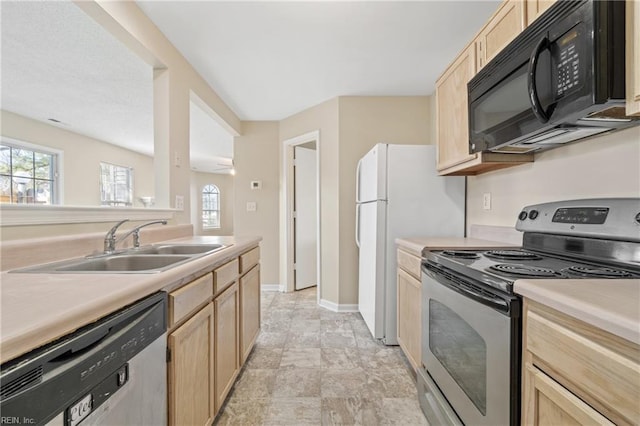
(560, 80)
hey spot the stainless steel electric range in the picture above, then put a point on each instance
(472, 318)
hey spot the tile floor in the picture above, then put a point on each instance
(311, 366)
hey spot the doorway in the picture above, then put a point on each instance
(305, 206)
(301, 213)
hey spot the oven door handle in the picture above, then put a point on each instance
(496, 302)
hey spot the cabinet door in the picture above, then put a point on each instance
(452, 111)
(191, 371)
(633, 56)
(249, 311)
(503, 27)
(409, 317)
(548, 403)
(226, 342)
(536, 8)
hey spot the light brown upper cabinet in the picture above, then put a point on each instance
(504, 26)
(452, 111)
(452, 116)
(536, 8)
(633, 57)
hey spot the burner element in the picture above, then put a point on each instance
(512, 255)
(524, 271)
(597, 272)
(461, 254)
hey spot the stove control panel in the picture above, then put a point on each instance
(587, 215)
(608, 218)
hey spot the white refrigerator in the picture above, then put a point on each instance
(398, 194)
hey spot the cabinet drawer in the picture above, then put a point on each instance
(249, 259)
(224, 275)
(187, 299)
(555, 405)
(600, 368)
(409, 263)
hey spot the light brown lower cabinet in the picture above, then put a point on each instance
(214, 322)
(191, 370)
(409, 299)
(226, 341)
(575, 373)
(249, 311)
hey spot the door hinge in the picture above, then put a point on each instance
(295, 266)
(168, 355)
(295, 215)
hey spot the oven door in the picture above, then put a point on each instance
(471, 341)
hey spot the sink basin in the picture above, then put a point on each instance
(145, 260)
(188, 249)
(124, 263)
(127, 263)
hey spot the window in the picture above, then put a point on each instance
(116, 185)
(210, 207)
(28, 175)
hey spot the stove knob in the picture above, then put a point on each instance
(522, 215)
(533, 214)
(638, 218)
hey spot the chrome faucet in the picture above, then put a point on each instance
(110, 240)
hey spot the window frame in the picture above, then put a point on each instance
(130, 187)
(57, 181)
(203, 210)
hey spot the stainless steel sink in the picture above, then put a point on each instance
(122, 263)
(188, 249)
(144, 260)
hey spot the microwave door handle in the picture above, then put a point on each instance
(536, 106)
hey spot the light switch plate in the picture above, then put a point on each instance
(179, 202)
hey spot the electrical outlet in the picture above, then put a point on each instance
(179, 202)
(486, 201)
(252, 206)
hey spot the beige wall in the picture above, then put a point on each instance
(349, 127)
(81, 159)
(174, 80)
(606, 166)
(364, 122)
(224, 183)
(256, 158)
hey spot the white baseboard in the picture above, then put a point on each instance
(335, 307)
(272, 287)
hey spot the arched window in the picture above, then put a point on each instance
(210, 207)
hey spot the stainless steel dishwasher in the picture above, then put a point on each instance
(111, 372)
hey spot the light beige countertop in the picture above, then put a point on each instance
(611, 305)
(415, 245)
(39, 308)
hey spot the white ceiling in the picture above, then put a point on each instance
(269, 60)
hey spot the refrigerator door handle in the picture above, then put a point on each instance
(358, 225)
(358, 183)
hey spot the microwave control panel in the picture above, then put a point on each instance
(568, 62)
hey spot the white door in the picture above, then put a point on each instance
(370, 235)
(305, 218)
